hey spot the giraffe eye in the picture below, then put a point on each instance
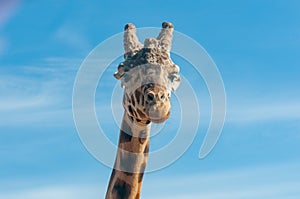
(150, 85)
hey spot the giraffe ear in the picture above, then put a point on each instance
(175, 81)
(174, 77)
(131, 41)
(118, 75)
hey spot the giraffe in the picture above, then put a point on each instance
(148, 75)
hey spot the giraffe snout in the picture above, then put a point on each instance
(159, 107)
(158, 115)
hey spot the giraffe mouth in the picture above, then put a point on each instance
(160, 119)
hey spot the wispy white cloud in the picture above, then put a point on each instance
(36, 92)
(7, 9)
(56, 192)
(72, 37)
(55, 65)
(30, 102)
(32, 93)
(270, 181)
(287, 191)
(3, 44)
(20, 92)
(273, 111)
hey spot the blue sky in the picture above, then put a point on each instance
(255, 45)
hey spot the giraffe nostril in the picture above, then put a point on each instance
(150, 98)
(163, 96)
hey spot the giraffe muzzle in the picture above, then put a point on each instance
(159, 114)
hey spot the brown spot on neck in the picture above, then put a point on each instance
(125, 133)
(137, 196)
(142, 140)
(125, 137)
(146, 150)
(141, 174)
(121, 189)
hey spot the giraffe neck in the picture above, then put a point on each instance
(127, 175)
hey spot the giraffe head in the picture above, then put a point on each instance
(148, 75)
